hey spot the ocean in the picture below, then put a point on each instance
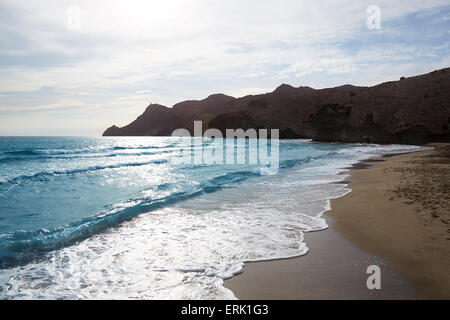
(122, 218)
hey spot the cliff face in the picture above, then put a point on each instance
(156, 120)
(412, 110)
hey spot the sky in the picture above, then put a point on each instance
(78, 67)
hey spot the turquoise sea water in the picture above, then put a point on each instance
(121, 218)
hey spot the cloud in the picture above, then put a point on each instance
(125, 54)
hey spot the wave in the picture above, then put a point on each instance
(295, 162)
(159, 245)
(74, 156)
(44, 174)
(22, 246)
(40, 152)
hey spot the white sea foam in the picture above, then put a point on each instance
(186, 250)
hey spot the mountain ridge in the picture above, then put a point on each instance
(411, 110)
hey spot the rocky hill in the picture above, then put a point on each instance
(411, 110)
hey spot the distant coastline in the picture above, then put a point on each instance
(413, 110)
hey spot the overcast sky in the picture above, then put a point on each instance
(78, 67)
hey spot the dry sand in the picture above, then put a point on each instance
(397, 216)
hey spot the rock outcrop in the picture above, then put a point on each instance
(412, 110)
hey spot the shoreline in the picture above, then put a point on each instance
(394, 231)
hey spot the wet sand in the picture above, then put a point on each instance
(397, 216)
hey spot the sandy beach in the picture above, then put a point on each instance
(397, 217)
